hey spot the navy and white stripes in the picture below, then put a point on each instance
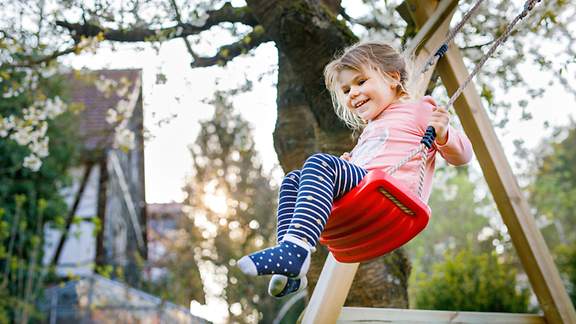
(287, 202)
(306, 198)
(307, 195)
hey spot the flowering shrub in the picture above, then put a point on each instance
(37, 146)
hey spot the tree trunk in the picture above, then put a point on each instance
(307, 36)
(295, 131)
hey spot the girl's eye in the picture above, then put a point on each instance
(361, 82)
(346, 91)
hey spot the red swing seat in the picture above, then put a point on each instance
(379, 215)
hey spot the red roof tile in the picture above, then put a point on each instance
(93, 127)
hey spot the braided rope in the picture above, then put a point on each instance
(405, 160)
(422, 171)
(440, 51)
(396, 202)
(528, 5)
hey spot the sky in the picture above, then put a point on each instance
(179, 102)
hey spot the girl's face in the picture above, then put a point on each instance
(367, 92)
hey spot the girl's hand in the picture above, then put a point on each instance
(345, 156)
(440, 119)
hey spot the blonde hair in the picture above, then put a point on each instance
(380, 57)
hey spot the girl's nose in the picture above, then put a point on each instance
(354, 92)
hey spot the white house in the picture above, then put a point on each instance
(108, 188)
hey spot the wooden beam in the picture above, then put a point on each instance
(336, 278)
(352, 315)
(330, 292)
(103, 182)
(443, 11)
(71, 212)
(513, 207)
(127, 198)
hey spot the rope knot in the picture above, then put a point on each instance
(442, 50)
(429, 137)
(529, 5)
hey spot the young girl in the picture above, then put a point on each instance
(368, 87)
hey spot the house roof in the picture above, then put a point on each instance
(109, 300)
(97, 91)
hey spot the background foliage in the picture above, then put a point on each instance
(29, 200)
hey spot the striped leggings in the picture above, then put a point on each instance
(306, 196)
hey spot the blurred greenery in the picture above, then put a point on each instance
(29, 200)
(231, 208)
(464, 260)
(455, 265)
(553, 193)
(467, 281)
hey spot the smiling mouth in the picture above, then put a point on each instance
(358, 105)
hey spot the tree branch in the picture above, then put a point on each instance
(370, 24)
(226, 13)
(30, 62)
(179, 20)
(477, 46)
(226, 53)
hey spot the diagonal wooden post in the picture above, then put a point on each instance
(336, 278)
(513, 207)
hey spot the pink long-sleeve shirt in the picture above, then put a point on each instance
(396, 132)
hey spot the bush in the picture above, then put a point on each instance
(469, 282)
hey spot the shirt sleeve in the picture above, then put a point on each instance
(457, 150)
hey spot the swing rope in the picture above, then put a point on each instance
(528, 6)
(430, 134)
(433, 59)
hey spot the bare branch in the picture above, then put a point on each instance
(225, 14)
(30, 62)
(369, 24)
(477, 46)
(179, 19)
(228, 52)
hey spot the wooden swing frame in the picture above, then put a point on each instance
(433, 17)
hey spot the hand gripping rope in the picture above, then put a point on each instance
(381, 214)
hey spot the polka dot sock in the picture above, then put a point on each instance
(290, 258)
(281, 286)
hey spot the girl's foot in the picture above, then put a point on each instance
(281, 286)
(290, 258)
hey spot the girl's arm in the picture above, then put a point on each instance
(452, 144)
(457, 150)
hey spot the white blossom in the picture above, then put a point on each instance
(41, 129)
(124, 87)
(124, 139)
(112, 116)
(199, 19)
(40, 147)
(10, 92)
(105, 85)
(89, 43)
(32, 162)
(33, 114)
(54, 107)
(124, 108)
(6, 125)
(179, 30)
(22, 136)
